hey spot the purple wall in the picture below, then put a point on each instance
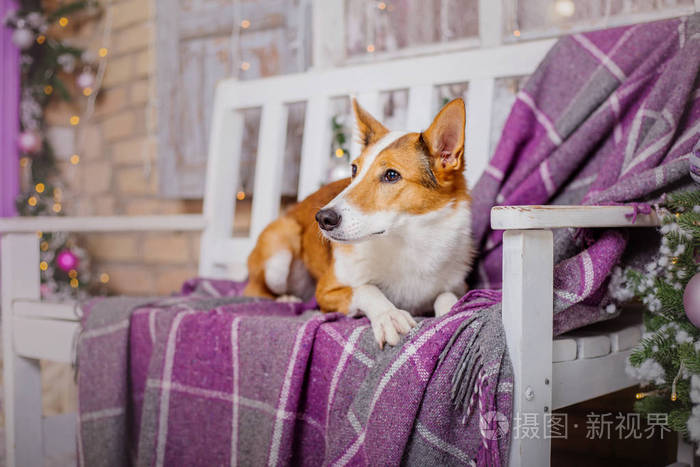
(9, 121)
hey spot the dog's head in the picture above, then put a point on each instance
(398, 176)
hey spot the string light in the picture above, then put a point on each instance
(74, 120)
(39, 233)
(23, 162)
(40, 187)
(370, 48)
(245, 24)
(102, 52)
(56, 207)
(339, 152)
(63, 21)
(40, 39)
(245, 66)
(516, 33)
(48, 89)
(32, 201)
(72, 273)
(240, 196)
(75, 159)
(74, 283)
(674, 260)
(381, 6)
(57, 193)
(104, 277)
(44, 246)
(43, 265)
(565, 8)
(87, 91)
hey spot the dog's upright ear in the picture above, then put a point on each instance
(445, 140)
(369, 130)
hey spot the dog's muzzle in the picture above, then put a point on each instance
(328, 219)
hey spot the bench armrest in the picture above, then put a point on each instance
(554, 217)
(180, 222)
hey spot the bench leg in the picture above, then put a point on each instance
(527, 320)
(19, 278)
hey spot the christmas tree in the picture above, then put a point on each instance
(667, 360)
(47, 63)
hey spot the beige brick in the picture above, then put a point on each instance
(96, 177)
(166, 248)
(131, 181)
(169, 280)
(144, 63)
(119, 71)
(136, 207)
(129, 279)
(195, 245)
(59, 112)
(119, 126)
(105, 206)
(140, 92)
(134, 38)
(92, 143)
(131, 12)
(111, 101)
(114, 247)
(134, 151)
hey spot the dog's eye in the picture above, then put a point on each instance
(354, 170)
(391, 176)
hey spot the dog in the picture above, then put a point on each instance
(391, 242)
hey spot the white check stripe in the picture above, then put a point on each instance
(165, 392)
(104, 413)
(606, 61)
(284, 395)
(441, 444)
(407, 351)
(588, 273)
(234, 402)
(541, 118)
(348, 350)
(616, 110)
(359, 355)
(494, 172)
(152, 325)
(105, 330)
(547, 178)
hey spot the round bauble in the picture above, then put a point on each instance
(29, 142)
(695, 163)
(66, 260)
(85, 80)
(23, 38)
(691, 300)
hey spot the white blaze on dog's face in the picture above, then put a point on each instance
(398, 176)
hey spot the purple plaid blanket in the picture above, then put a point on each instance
(223, 381)
(608, 117)
(209, 378)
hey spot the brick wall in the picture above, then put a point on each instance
(117, 169)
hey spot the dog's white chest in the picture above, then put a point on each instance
(422, 257)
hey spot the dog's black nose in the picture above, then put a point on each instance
(328, 219)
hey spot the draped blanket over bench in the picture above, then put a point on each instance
(211, 378)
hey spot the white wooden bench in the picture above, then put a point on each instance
(548, 374)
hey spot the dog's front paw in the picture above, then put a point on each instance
(444, 303)
(387, 326)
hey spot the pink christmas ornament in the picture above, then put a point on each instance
(691, 300)
(85, 80)
(29, 142)
(66, 260)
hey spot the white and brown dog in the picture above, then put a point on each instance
(392, 241)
